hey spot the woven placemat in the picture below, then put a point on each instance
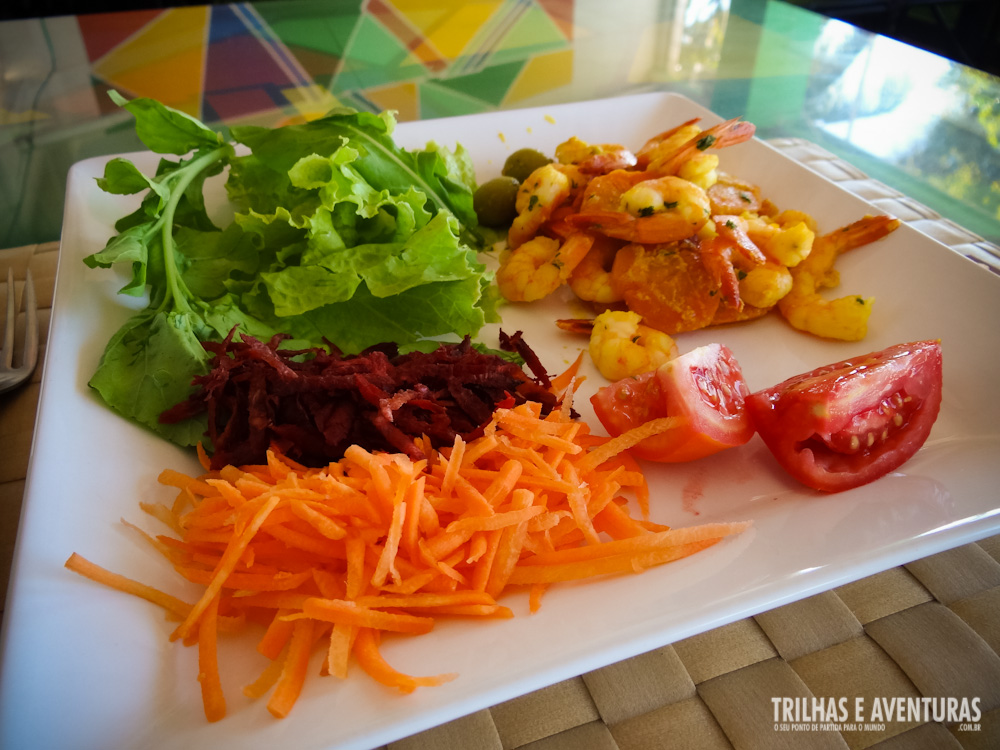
(927, 629)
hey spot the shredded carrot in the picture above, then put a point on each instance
(375, 544)
(208, 664)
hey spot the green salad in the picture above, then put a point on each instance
(339, 236)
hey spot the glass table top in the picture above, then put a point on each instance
(918, 122)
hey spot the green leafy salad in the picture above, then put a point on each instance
(339, 235)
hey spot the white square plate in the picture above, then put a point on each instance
(87, 667)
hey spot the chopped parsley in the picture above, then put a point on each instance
(706, 142)
(647, 211)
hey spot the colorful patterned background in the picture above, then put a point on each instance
(279, 60)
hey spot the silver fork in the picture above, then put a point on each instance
(11, 376)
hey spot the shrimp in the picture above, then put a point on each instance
(788, 243)
(621, 346)
(845, 318)
(594, 159)
(669, 158)
(731, 244)
(631, 207)
(545, 190)
(591, 279)
(540, 266)
(764, 285)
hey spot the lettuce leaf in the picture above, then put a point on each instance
(339, 236)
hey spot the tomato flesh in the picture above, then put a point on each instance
(703, 388)
(849, 423)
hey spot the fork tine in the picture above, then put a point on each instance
(30, 306)
(7, 350)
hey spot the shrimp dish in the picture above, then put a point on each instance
(669, 242)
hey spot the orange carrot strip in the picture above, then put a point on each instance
(212, 697)
(320, 522)
(163, 514)
(491, 523)
(640, 544)
(444, 543)
(469, 610)
(481, 573)
(535, 596)
(290, 600)
(616, 523)
(521, 424)
(293, 538)
(477, 449)
(293, 675)
(607, 565)
(426, 600)
(268, 678)
(370, 659)
(339, 653)
(349, 613)
(228, 491)
(380, 482)
(509, 546)
(203, 458)
(414, 500)
(413, 583)
(577, 500)
(180, 480)
(626, 440)
(477, 547)
(452, 464)
(472, 499)
(273, 642)
(387, 560)
(248, 581)
(444, 566)
(95, 572)
(504, 483)
(331, 586)
(355, 546)
(563, 380)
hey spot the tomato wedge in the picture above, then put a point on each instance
(703, 388)
(849, 423)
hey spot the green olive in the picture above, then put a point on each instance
(493, 201)
(523, 162)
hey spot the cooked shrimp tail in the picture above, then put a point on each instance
(727, 133)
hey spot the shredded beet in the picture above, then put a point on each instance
(313, 404)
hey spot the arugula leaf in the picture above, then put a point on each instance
(150, 362)
(165, 130)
